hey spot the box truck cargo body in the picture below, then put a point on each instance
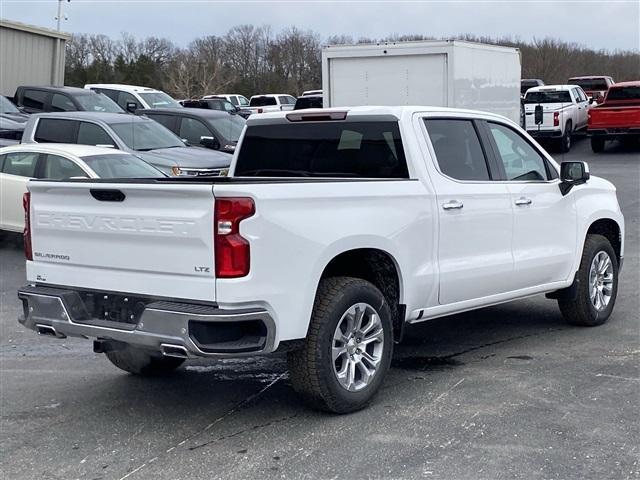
(431, 73)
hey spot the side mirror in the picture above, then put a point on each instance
(132, 107)
(571, 174)
(210, 142)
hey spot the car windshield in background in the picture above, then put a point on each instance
(97, 102)
(159, 100)
(6, 106)
(323, 149)
(230, 127)
(590, 84)
(262, 101)
(548, 97)
(624, 94)
(146, 135)
(120, 165)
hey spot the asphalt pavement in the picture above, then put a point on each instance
(507, 392)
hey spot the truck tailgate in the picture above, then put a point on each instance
(143, 238)
(615, 117)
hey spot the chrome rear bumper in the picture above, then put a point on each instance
(173, 328)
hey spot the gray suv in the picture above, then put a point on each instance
(141, 136)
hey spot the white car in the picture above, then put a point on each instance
(131, 97)
(336, 228)
(555, 112)
(311, 92)
(235, 98)
(271, 102)
(20, 163)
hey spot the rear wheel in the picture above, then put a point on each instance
(348, 347)
(596, 285)
(141, 362)
(565, 140)
(597, 144)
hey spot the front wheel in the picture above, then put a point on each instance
(597, 144)
(348, 347)
(596, 285)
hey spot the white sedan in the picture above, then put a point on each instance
(57, 161)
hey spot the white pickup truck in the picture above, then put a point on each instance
(556, 112)
(335, 229)
(271, 102)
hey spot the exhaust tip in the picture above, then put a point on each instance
(49, 331)
(177, 351)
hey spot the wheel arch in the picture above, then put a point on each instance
(610, 229)
(374, 265)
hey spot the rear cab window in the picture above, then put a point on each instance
(263, 101)
(331, 149)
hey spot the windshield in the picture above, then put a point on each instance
(590, 83)
(97, 102)
(548, 97)
(623, 94)
(6, 106)
(263, 101)
(159, 100)
(120, 165)
(230, 128)
(146, 135)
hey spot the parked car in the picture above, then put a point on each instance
(12, 122)
(332, 233)
(235, 98)
(594, 86)
(556, 112)
(141, 136)
(618, 117)
(63, 99)
(131, 97)
(527, 83)
(311, 92)
(273, 102)
(308, 101)
(19, 163)
(208, 128)
(215, 103)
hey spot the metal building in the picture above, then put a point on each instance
(30, 55)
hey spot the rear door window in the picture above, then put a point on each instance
(22, 164)
(457, 148)
(233, 99)
(348, 149)
(92, 134)
(168, 121)
(60, 168)
(62, 103)
(34, 99)
(56, 130)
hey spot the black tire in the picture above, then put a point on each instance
(565, 140)
(597, 144)
(312, 367)
(141, 362)
(580, 310)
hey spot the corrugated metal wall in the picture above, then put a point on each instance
(28, 59)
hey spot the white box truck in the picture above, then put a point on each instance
(447, 73)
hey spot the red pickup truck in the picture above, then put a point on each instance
(618, 117)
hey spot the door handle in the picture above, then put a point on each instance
(452, 205)
(523, 201)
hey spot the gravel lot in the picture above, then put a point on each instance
(507, 392)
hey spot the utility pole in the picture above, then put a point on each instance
(58, 62)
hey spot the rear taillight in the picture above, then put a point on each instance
(232, 251)
(26, 204)
(556, 119)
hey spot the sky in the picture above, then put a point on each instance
(597, 24)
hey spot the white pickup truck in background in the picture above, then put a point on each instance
(272, 102)
(335, 229)
(556, 112)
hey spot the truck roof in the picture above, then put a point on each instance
(120, 86)
(366, 111)
(552, 88)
